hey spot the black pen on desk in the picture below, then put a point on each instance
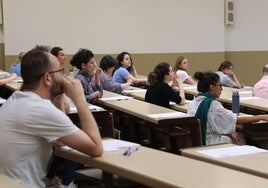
(121, 99)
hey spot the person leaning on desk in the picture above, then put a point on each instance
(31, 123)
(218, 124)
(159, 91)
(260, 89)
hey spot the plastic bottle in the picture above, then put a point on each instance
(71, 72)
(235, 102)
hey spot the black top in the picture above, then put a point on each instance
(161, 93)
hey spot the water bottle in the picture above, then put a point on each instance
(235, 102)
(71, 72)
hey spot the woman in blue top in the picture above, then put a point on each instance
(15, 68)
(125, 70)
(159, 91)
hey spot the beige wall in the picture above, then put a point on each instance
(247, 65)
(162, 32)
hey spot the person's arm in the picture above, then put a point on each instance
(8, 78)
(87, 140)
(189, 81)
(136, 80)
(97, 76)
(62, 102)
(177, 82)
(128, 83)
(133, 71)
(250, 119)
(236, 81)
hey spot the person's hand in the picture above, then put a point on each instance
(73, 88)
(98, 71)
(95, 95)
(235, 137)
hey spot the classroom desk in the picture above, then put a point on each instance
(155, 168)
(248, 104)
(103, 118)
(254, 164)
(6, 182)
(141, 114)
(254, 133)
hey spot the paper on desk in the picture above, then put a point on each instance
(186, 102)
(168, 115)
(118, 98)
(248, 98)
(2, 101)
(232, 151)
(114, 145)
(111, 145)
(135, 91)
(73, 109)
(245, 92)
(190, 87)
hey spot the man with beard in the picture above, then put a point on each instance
(31, 123)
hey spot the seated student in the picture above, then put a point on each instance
(84, 61)
(217, 123)
(59, 164)
(159, 91)
(260, 89)
(107, 64)
(58, 52)
(31, 123)
(5, 78)
(227, 76)
(124, 70)
(15, 68)
(180, 68)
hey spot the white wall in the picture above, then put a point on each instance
(250, 29)
(105, 26)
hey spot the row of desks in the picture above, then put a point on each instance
(161, 169)
(156, 119)
(155, 168)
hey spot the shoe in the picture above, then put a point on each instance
(71, 185)
(51, 182)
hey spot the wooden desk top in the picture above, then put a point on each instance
(139, 108)
(254, 164)
(6, 182)
(155, 168)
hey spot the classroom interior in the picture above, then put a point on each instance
(153, 32)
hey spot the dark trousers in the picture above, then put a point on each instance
(62, 167)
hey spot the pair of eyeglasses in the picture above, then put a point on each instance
(60, 71)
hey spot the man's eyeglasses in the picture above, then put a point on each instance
(60, 71)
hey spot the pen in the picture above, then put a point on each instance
(129, 151)
(120, 99)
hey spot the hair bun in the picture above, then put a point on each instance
(199, 75)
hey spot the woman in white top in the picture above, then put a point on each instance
(180, 68)
(218, 124)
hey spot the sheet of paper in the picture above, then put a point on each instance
(117, 98)
(2, 101)
(168, 115)
(248, 98)
(232, 151)
(245, 92)
(73, 108)
(113, 144)
(186, 102)
(135, 91)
